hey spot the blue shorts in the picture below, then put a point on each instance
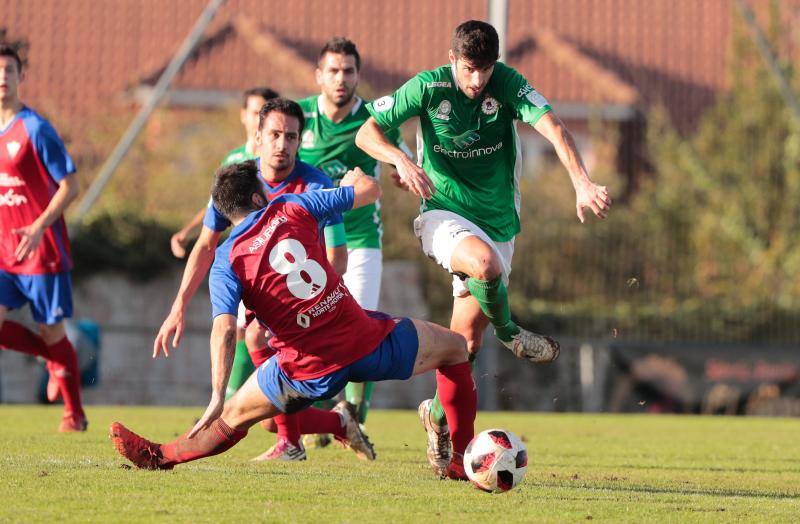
(50, 295)
(393, 359)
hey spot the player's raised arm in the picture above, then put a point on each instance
(223, 346)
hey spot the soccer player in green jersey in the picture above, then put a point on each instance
(468, 181)
(328, 142)
(252, 101)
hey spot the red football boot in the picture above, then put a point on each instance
(73, 423)
(143, 453)
(455, 470)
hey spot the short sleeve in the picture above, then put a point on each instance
(50, 149)
(224, 287)
(528, 105)
(214, 219)
(392, 110)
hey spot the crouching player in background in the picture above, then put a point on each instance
(36, 186)
(274, 262)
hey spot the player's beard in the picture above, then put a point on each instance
(348, 96)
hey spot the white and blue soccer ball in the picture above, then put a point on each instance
(496, 460)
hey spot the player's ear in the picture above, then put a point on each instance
(258, 138)
(452, 57)
(318, 76)
(258, 200)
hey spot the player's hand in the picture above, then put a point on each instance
(415, 178)
(31, 237)
(213, 412)
(397, 181)
(351, 177)
(593, 196)
(172, 328)
(178, 243)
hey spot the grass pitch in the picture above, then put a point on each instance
(582, 467)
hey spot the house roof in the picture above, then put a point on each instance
(85, 58)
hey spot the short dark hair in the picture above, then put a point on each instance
(476, 42)
(233, 189)
(281, 105)
(341, 46)
(9, 50)
(264, 92)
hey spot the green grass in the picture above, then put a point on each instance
(582, 467)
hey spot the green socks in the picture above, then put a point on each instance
(492, 296)
(359, 394)
(242, 369)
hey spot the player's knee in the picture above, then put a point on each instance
(457, 349)
(52, 333)
(486, 266)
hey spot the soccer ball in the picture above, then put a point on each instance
(496, 460)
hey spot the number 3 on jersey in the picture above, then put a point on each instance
(305, 277)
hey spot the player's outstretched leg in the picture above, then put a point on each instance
(481, 263)
(245, 408)
(446, 351)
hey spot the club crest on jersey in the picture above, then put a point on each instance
(384, 103)
(490, 106)
(443, 113)
(307, 139)
(13, 148)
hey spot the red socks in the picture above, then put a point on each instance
(63, 364)
(459, 399)
(310, 421)
(14, 335)
(213, 440)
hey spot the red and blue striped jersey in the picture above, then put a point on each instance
(274, 262)
(33, 160)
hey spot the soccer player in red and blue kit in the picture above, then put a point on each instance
(274, 262)
(36, 186)
(278, 170)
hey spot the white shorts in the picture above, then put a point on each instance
(363, 276)
(441, 231)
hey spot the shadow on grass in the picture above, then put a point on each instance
(673, 491)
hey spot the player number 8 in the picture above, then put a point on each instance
(305, 278)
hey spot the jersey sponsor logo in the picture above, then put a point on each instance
(328, 303)
(471, 153)
(10, 181)
(524, 90)
(333, 168)
(13, 148)
(308, 139)
(430, 85)
(303, 320)
(466, 139)
(443, 112)
(384, 103)
(490, 105)
(266, 234)
(11, 199)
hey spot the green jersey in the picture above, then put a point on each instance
(469, 148)
(331, 147)
(234, 156)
